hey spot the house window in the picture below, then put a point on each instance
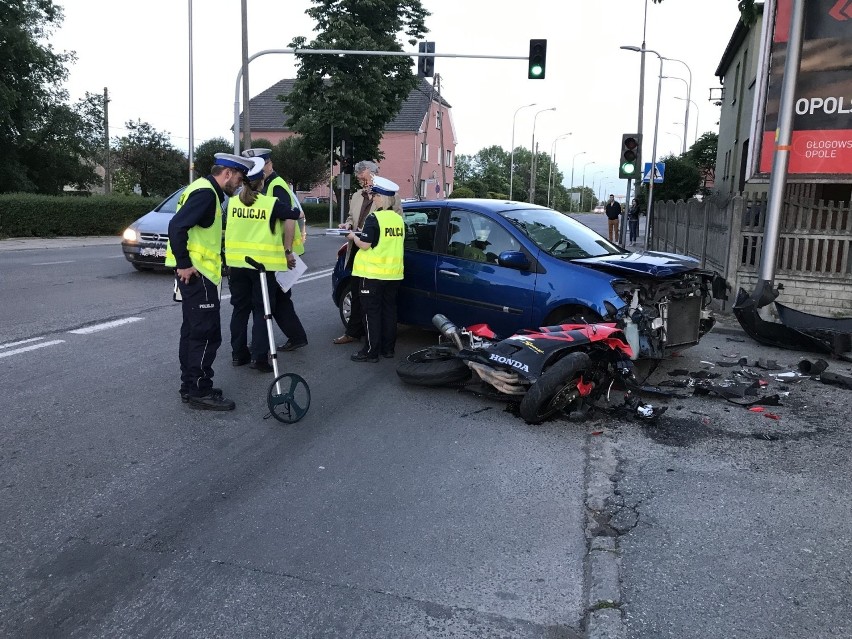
(449, 158)
(422, 188)
(438, 120)
(447, 190)
(424, 152)
(736, 84)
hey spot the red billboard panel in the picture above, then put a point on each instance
(822, 124)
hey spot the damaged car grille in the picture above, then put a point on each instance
(683, 319)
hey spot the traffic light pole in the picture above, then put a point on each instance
(305, 51)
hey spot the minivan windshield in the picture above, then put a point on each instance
(560, 235)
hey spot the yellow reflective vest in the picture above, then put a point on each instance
(204, 244)
(384, 260)
(298, 245)
(247, 233)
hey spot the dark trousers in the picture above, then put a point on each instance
(285, 313)
(247, 299)
(378, 304)
(200, 335)
(633, 227)
(355, 325)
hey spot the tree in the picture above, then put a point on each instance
(149, 157)
(298, 165)
(358, 95)
(682, 179)
(32, 101)
(703, 155)
(206, 151)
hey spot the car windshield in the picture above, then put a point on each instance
(560, 235)
(169, 205)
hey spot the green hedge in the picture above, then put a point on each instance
(29, 215)
(317, 214)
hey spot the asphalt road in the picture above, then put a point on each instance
(388, 511)
(391, 511)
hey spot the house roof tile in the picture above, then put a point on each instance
(268, 114)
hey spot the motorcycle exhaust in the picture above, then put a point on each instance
(448, 329)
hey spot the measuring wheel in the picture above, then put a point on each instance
(288, 398)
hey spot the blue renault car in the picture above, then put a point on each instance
(514, 265)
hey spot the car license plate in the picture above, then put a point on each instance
(152, 252)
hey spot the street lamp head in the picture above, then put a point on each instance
(631, 48)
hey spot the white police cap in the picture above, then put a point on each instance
(384, 186)
(257, 153)
(232, 161)
(256, 171)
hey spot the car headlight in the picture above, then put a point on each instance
(131, 235)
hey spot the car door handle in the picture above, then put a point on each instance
(446, 272)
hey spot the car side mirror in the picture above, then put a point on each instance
(514, 259)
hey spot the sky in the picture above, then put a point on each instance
(142, 57)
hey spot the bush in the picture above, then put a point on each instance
(461, 191)
(30, 215)
(318, 213)
(497, 196)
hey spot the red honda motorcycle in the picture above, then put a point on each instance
(554, 368)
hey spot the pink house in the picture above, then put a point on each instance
(419, 144)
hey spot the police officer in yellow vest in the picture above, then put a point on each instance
(252, 229)
(282, 303)
(378, 269)
(195, 250)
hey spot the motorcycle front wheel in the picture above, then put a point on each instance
(555, 389)
(433, 366)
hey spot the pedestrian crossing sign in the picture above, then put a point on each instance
(659, 172)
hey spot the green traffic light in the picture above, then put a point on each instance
(628, 167)
(536, 70)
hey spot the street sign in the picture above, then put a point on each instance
(659, 173)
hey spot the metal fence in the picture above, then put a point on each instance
(815, 238)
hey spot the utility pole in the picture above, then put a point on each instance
(442, 158)
(107, 176)
(246, 119)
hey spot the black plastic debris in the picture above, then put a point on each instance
(678, 372)
(833, 379)
(768, 365)
(770, 333)
(812, 368)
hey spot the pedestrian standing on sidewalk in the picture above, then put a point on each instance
(613, 213)
(377, 270)
(633, 221)
(195, 250)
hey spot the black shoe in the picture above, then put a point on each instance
(363, 357)
(212, 401)
(261, 366)
(388, 355)
(240, 361)
(184, 394)
(290, 345)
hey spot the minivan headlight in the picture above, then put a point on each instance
(130, 234)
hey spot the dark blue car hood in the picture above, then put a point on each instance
(648, 263)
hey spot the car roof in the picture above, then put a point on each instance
(483, 205)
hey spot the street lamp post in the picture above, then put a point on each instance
(697, 113)
(512, 159)
(679, 141)
(552, 157)
(650, 209)
(572, 177)
(583, 187)
(596, 193)
(688, 95)
(532, 158)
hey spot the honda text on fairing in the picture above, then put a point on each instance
(514, 265)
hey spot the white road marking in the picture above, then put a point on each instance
(51, 263)
(105, 325)
(314, 276)
(32, 347)
(23, 341)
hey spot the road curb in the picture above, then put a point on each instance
(603, 618)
